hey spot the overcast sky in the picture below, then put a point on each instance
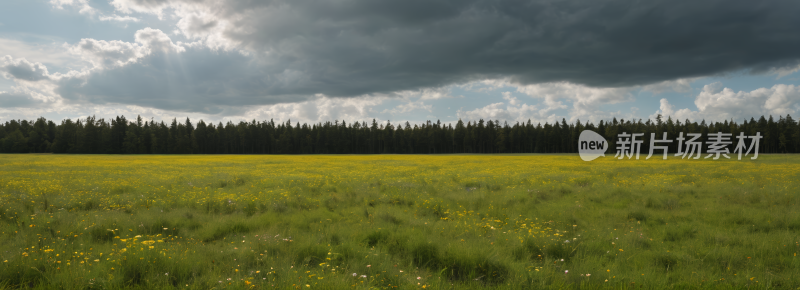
(399, 60)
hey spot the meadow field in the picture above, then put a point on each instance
(397, 222)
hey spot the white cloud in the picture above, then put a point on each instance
(34, 84)
(421, 94)
(716, 103)
(501, 111)
(785, 71)
(667, 110)
(409, 107)
(22, 69)
(115, 17)
(53, 54)
(155, 39)
(83, 5)
(511, 99)
(85, 8)
(154, 7)
(679, 85)
(586, 102)
(107, 54)
(431, 94)
(209, 22)
(320, 109)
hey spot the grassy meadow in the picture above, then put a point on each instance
(397, 222)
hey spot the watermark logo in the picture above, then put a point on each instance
(591, 145)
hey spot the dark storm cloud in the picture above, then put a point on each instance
(355, 47)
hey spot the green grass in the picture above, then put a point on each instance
(403, 222)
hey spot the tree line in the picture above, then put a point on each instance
(123, 136)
